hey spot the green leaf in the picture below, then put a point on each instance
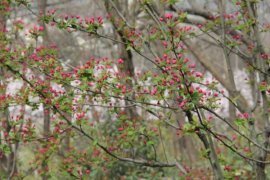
(5, 149)
(95, 142)
(205, 153)
(240, 122)
(150, 142)
(131, 132)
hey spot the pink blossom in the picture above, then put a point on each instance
(153, 91)
(192, 65)
(165, 44)
(234, 137)
(245, 115)
(174, 61)
(198, 74)
(120, 61)
(81, 115)
(200, 26)
(92, 20)
(165, 56)
(264, 56)
(187, 28)
(124, 89)
(41, 28)
(210, 118)
(100, 19)
(182, 104)
(186, 60)
(168, 15)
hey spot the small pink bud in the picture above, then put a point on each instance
(120, 61)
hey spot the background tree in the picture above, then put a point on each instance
(133, 89)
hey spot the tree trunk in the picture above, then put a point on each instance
(7, 162)
(124, 52)
(42, 4)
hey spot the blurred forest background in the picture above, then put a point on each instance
(229, 69)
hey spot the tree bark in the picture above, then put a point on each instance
(42, 4)
(124, 52)
(8, 162)
(209, 147)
